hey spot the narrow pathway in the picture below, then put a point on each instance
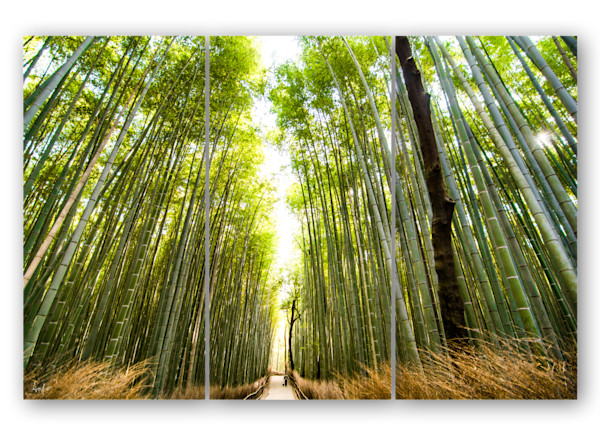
(276, 390)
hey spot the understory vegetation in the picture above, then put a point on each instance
(459, 374)
(238, 392)
(99, 381)
(88, 381)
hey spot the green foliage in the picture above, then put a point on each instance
(133, 282)
(139, 261)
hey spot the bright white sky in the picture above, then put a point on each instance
(276, 50)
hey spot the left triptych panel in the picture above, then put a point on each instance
(114, 217)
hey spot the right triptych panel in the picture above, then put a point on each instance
(486, 202)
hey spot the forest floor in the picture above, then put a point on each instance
(276, 390)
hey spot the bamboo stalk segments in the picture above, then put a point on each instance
(511, 205)
(514, 229)
(119, 249)
(114, 207)
(332, 106)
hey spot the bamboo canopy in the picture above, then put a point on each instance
(115, 228)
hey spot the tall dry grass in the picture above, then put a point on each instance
(187, 393)
(487, 372)
(100, 381)
(317, 389)
(237, 392)
(374, 385)
(484, 372)
(88, 381)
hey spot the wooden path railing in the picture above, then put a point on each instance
(257, 393)
(292, 381)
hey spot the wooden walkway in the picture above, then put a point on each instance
(276, 390)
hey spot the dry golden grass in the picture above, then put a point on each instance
(485, 372)
(374, 385)
(237, 392)
(190, 393)
(99, 381)
(488, 373)
(88, 381)
(318, 389)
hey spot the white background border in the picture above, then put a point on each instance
(379, 17)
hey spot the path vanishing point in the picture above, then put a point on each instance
(276, 390)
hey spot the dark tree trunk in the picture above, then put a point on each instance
(451, 302)
(292, 320)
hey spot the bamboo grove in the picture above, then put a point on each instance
(114, 225)
(334, 140)
(512, 172)
(113, 205)
(504, 113)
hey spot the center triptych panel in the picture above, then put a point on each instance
(300, 232)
